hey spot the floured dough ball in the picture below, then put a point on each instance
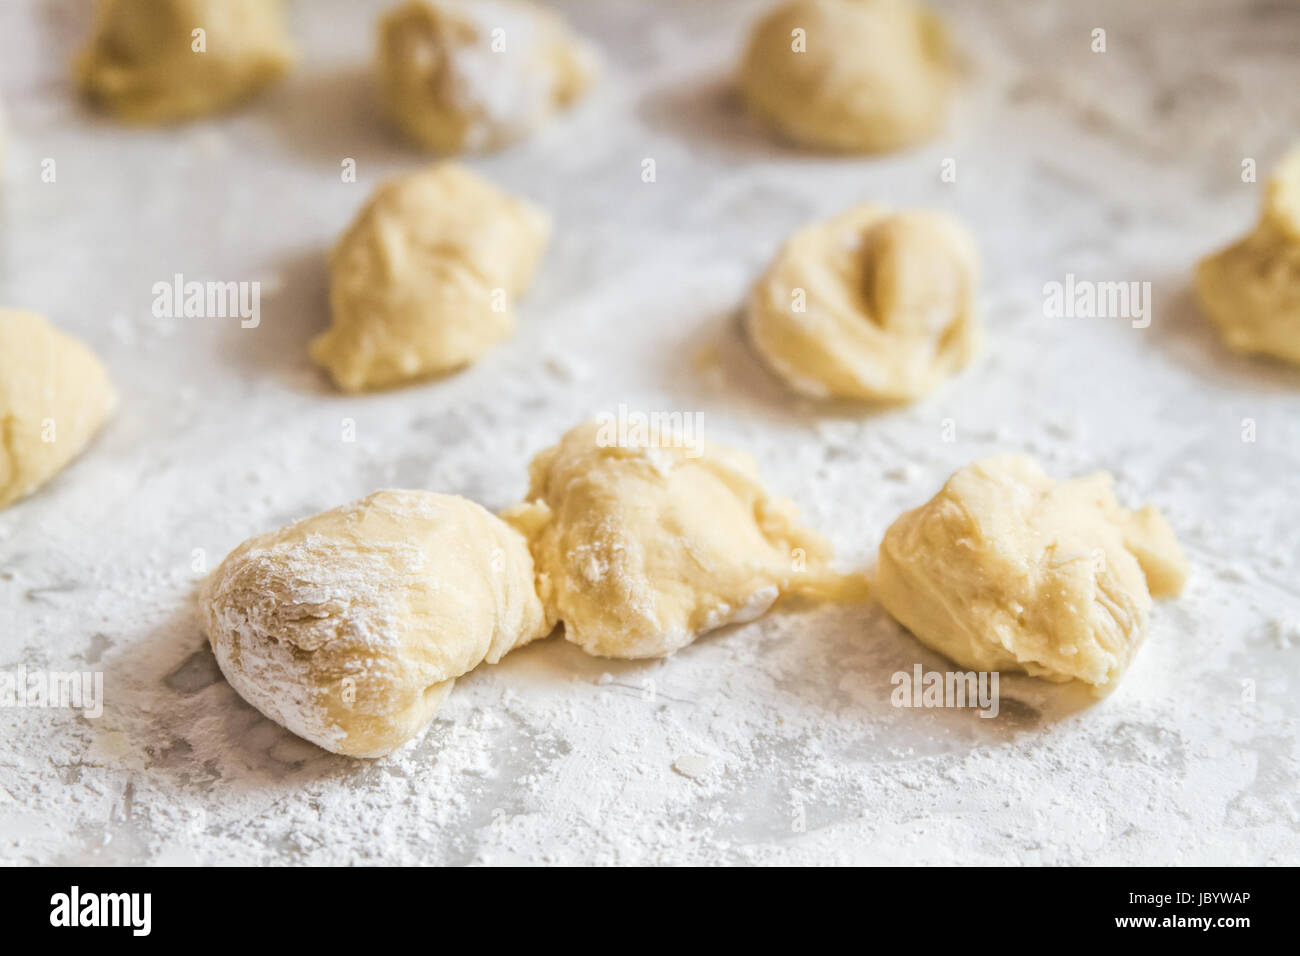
(477, 74)
(166, 60)
(868, 305)
(54, 395)
(424, 280)
(1008, 569)
(1252, 289)
(850, 75)
(642, 546)
(350, 627)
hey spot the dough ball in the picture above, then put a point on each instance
(641, 547)
(1008, 569)
(349, 627)
(54, 395)
(850, 75)
(146, 63)
(868, 305)
(424, 280)
(1251, 290)
(477, 75)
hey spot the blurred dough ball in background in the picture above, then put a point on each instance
(157, 61)
(1251, 290)
(458, 76)
(871, 304)
(849, 75)
(54, 396)
(424, 280)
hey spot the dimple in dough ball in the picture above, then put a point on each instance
(642, 546)
(350, 627)
(477, 75)
(868, 305)
(145, 63)
(849, 75)
(1252, 289)
(424, 280)
(54, 395)
(1009, 569)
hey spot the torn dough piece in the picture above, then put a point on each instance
(350, 627)
(1252, 289)
(477, 75)
(54, 396)
(868, 305)
(849, 75)
(640, 547)
(168, 60)
(424, 280)
(1008, 569)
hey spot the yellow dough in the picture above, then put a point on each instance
(479, 74)
(1008, 569)
(641, 547)
(54, 395)
(868, 305)
(424, 280)
(350, 627)
(1252, 289)
(849, 75)
(146, 63)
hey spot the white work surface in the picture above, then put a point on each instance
(772, 742)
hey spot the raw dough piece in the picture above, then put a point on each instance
(868, 305)
(641, 547)
(851, 75)
(143, 65)
(425, 278)
(350, 627)
(54, 395)
(477, 75)
(1252, 289)
(1008, 569)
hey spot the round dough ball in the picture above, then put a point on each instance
(1251, 290)
(350, 627)
(146, 64)
(424, 280)
(639, 548)
(54, 395)
(1008, 569)
(868, 305)
(850, 75)
(477, 75)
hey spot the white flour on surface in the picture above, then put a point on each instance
(770, 742)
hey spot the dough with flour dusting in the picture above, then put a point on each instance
(424, 280)
(54, 396)
(871, 304)
(642, 546)
(477, 75)
(350, 627)
(146, 64)
(1252, 289)
(850, 75)
(1009, 569)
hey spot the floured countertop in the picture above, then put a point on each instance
(770, 742)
